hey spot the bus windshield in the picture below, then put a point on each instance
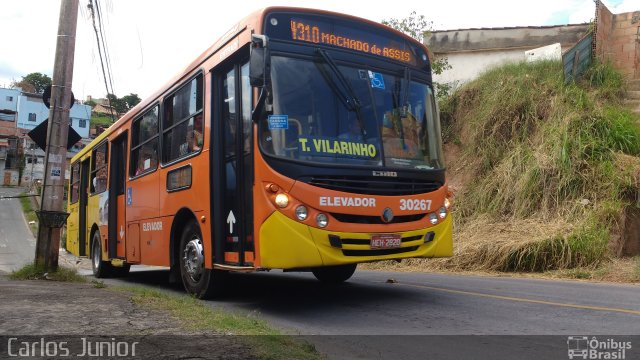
(346, 115)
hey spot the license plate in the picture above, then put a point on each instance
(386, 241)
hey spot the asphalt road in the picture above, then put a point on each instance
(364, 317)
(17, 244)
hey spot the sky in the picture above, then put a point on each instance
(148, 42)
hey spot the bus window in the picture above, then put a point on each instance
(144, 143)
(182, 123)
(75, 183)
(99, 169)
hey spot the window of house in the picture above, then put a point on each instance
(99, 168)
(144, 143)
(182, 125)
(9, 98)
(32, 116)
(82, 123)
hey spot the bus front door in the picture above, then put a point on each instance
(84, 200)
(117, 175)
(233, 169)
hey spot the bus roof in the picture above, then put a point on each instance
(252, 22)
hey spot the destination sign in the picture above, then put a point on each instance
(346, 33)
(303, 31)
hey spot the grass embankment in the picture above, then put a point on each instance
(29, 213)
(543, 173)
(33, 272)
(194, 315)
(104, 121)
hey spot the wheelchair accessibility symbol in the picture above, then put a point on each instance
(377, 81)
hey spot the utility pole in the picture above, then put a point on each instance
(51, 215)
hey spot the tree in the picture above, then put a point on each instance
(131, 100)
(34, 82)
(123, 104)
(417, 26)
(117, 104)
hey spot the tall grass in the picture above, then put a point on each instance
(33, 272)
(537, 148)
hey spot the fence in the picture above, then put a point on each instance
(577, 59)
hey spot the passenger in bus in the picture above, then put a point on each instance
(195, 137)
(397, 137)
(354, 134)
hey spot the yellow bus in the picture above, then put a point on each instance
(302, 140)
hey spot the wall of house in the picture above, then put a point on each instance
(617, 37)
(466, 66)
(471, 52)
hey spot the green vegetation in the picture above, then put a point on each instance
(542, 154)
(33, 272)
(98, 284)
(196, 316)
(636, 269)
(29, 213)
(104, 121)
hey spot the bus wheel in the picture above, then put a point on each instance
(101, 269)
(197, 280)
(334, 274)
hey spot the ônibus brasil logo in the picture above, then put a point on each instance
(581, 347)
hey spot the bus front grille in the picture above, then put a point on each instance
(379, 252)
(365, 219)
(373, 186)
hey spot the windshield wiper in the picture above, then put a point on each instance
(348, 96)
(405, 95)
(403, 108)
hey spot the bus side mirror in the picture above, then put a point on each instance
(259, 64)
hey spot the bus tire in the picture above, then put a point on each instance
(197, 280)
(334, 274)
(101, 269)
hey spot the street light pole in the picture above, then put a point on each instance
(51, 215)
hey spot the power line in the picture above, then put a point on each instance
(104, 46)
(95, 28)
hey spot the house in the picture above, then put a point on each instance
(472, 51)
(102, 107)
(9, 136)
(21, 112)
(32, 112)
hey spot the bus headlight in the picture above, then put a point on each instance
(433, 218)
(322, 220)
(282, 200)
(302, 213)
(442, 212)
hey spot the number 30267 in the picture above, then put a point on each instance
(415, 204)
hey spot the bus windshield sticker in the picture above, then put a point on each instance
(322, 146)
(278, 122)
(147, 163)
(377, 81)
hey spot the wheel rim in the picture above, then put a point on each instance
(193, 258)
(96, 256)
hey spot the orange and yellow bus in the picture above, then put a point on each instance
(301, 140)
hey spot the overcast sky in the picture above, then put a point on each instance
(139, 32)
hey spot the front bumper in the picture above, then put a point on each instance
(288, 244)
